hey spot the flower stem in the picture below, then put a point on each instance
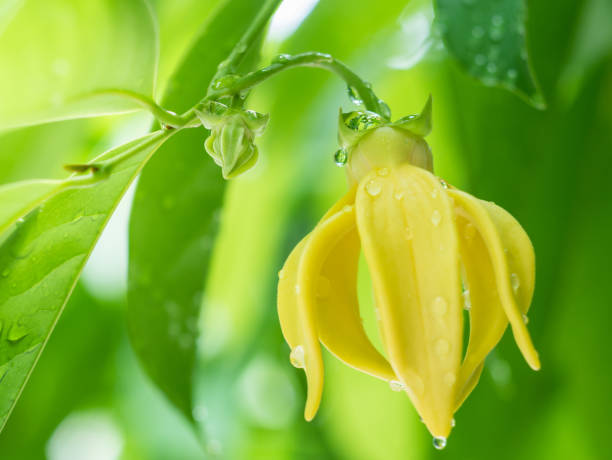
(311, 59)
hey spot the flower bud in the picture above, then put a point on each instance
(231, 141)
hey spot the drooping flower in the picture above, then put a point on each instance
(432, 251)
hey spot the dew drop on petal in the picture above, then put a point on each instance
(467, 301)
(398, 195)
(442, 346)
(296, 357)
(443, 183)
(469, 232)
(373, 188)
(453, 423)
(514, 280)
(436, 217)
(434, 193)
(396, 385)
(439, 442)
(281, 274)
(439, 306)
(297, 289)
(525, 319)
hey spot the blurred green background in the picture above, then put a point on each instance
(88, 397)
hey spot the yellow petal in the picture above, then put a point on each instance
(406, 224)
(297, 324)
(502, 265)
(331, 265)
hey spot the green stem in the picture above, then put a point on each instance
(312, 59)
(162, 115)
(231, 64)
(101, 169)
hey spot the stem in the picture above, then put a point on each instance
(231, 64)
(162, 115)
(312, 59)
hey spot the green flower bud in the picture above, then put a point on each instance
(231, 141)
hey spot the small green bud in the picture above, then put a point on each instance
(231, 141)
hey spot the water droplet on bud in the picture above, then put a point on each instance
(439, 442)
(296, 357)
(341, 157)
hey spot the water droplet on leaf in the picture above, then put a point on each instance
(16, 332)
(353, 95)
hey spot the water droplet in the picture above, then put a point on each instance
(525, 319)
(347, 208)
(497, 20)
(442, 346)
(443, 183)
(341, 157)
(439, 442)
(383, 172)
(225, 81)
(511, 74)
(491, 67)
(398, 195)
(384, 109)
(353, 95)
(436, 217)
(16, 332)
(516, 283)
(450, 378)
(6, 272)
(396, 385)
(453, 423)
(434, 193)
(478, 32)
(281, 274)
(480, 59)
(496, 34)
(373, 188)
(323, 287)
(281, 59)
(439, 306)
(296, 357)
(467, 301)
(297, 289)
(469, 231)
(359, 121)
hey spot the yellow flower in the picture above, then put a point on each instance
(422, 240)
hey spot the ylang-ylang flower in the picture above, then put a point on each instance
(432, 250)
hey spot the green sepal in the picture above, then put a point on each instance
(417, 124)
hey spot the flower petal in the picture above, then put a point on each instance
(297, 323)
(331, 263)
(500, 261)
(406, 224)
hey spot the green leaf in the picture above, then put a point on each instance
(174, 221)
(18, 199)
(487, 37)
(54, 52)
(42, 258)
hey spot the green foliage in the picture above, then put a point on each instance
(61, 50)
(174, 222)
(42, 259)
(206, 253)
(488, 39)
